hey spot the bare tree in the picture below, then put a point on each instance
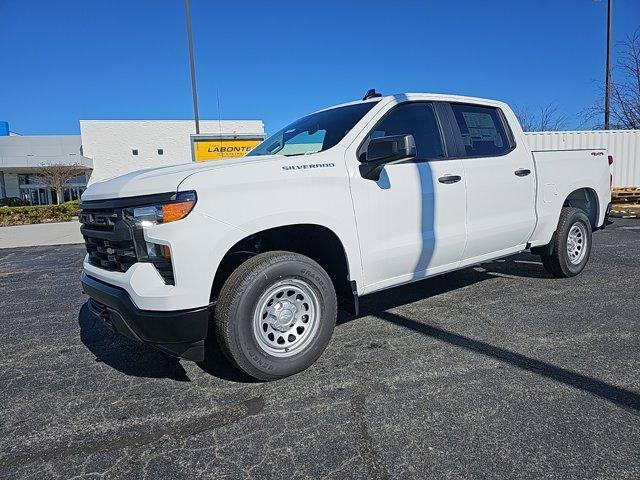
(546, 119)
(57, 176)
(525, 117)
(625, 89)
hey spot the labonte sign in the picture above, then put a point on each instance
(206, 149)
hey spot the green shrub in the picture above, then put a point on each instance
(38, 214)
(72, 207)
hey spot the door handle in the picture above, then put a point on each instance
(450, 179)
(522, 172)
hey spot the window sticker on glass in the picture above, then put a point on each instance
(481, 128)
(482, 131)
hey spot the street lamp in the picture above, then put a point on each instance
(193, 67)
(607, 80)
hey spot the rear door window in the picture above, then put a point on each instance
(482, 129)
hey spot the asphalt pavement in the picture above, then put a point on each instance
(496, 371)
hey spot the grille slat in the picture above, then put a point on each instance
(103, 253)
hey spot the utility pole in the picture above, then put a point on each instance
(607, 81)
(193, 67)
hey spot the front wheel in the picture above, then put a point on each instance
(571, 244)
(275, 314)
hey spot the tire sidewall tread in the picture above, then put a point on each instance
(558, 263)
(237, 301)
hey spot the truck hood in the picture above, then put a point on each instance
(160, 179)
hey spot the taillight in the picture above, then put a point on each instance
(610, 158)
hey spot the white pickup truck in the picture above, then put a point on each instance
(260, 251)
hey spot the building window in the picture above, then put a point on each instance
(134, 151)
(29, 179)
(161, 151)
(33, 190)
(78, 179)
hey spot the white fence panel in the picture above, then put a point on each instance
(624, 145)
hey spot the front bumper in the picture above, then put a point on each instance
(179, 333)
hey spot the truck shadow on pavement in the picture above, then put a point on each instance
(622, 397)
(125, 355)
(216, 364)
(523, 265)
(140, 360)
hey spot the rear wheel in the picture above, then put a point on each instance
(275, 314)
(571, 244)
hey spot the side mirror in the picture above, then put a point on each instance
(385, 151)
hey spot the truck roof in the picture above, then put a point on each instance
(444, 97)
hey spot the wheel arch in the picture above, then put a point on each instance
(585, 199)
(582, 198)
(315, 241)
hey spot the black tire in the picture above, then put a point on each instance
(559, 263)
(238, 301)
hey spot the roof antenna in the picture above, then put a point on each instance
(371, 93)
(219, 114)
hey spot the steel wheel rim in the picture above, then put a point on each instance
(286, 316)
(577, 243)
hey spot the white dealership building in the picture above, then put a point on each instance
(107, 148)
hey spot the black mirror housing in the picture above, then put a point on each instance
(391, 148)
(386, 150)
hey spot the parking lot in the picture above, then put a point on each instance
(497, 371)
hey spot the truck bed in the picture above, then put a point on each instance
(561, 172)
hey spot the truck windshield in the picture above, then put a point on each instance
(313, 133)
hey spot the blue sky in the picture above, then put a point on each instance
(68, 60)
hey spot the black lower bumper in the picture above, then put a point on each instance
(179, 333)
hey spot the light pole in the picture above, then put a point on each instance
(607, 79)
(193, 67)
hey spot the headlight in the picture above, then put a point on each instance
(165, 212)
(153, 214)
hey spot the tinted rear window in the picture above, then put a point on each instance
(482, 130)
